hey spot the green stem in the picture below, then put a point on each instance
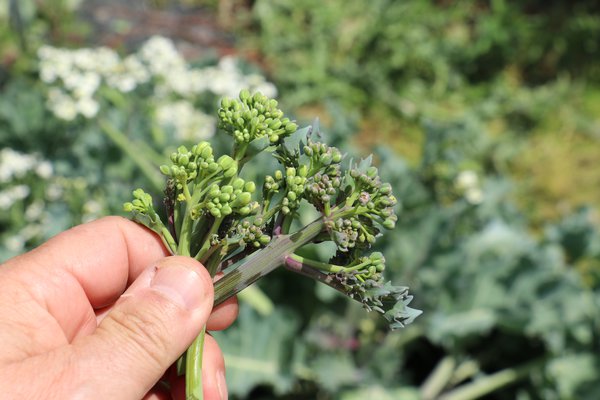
(316, 264)
(437, 381)
(193, 368)
(206, 242)
(129, 148)
(265, 260)
(185, 235)
(331, 268)
(491, 383)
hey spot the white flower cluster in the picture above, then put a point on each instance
(15, 165)
(185, 120)
(75, 76)
(468, 183)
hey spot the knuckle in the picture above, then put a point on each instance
(146, 332)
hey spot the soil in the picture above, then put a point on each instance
(197, 31)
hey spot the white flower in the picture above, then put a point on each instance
(161, 56)
(14, 244)
(474, 196)
(467, 179)
(34, 211)
(83, 84)
(87, 107)
(44, 169)
(14, 164)
(13, 194)
(187, 122)
(65, 109)
(468, 183)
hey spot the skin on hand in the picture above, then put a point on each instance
(100, 311)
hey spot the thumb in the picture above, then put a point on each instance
(150, 326)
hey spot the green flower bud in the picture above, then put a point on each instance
(245, 95)
(291, 127)
(303, 171)
(278, 175)
(230, 172)
(372, 172)
(224, 197)
(336, 156)
(385, 189)
(389, 224)
(250, 187)
(244, 211)
(243, 199)
(237, 183)
(166, 170)
(325, 159)
(225, 162)
(226, 210)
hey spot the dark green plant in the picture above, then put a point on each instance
(217, 217)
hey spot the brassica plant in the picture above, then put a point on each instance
(246, 228)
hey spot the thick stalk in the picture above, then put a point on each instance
(264, 261)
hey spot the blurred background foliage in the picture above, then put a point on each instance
(484, 116)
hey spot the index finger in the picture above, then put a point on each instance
(104, 256)
(85, 268)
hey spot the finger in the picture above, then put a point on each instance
(85, 268)
(223, 315)
(150, 326)
(213, 371)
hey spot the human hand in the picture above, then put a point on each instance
(100, 312)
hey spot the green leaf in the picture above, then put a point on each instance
(257, 351)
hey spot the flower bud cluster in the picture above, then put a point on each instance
(252, 233)
(198, 163)
(252, 117)
(225, 200)
(372, 265)
(142, 204)
(292, 184)
(322, 154)
(350, 233)
(373, 198)
(323, 186)
(295, 180)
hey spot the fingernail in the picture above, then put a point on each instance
(222, 384)
(181, 285)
